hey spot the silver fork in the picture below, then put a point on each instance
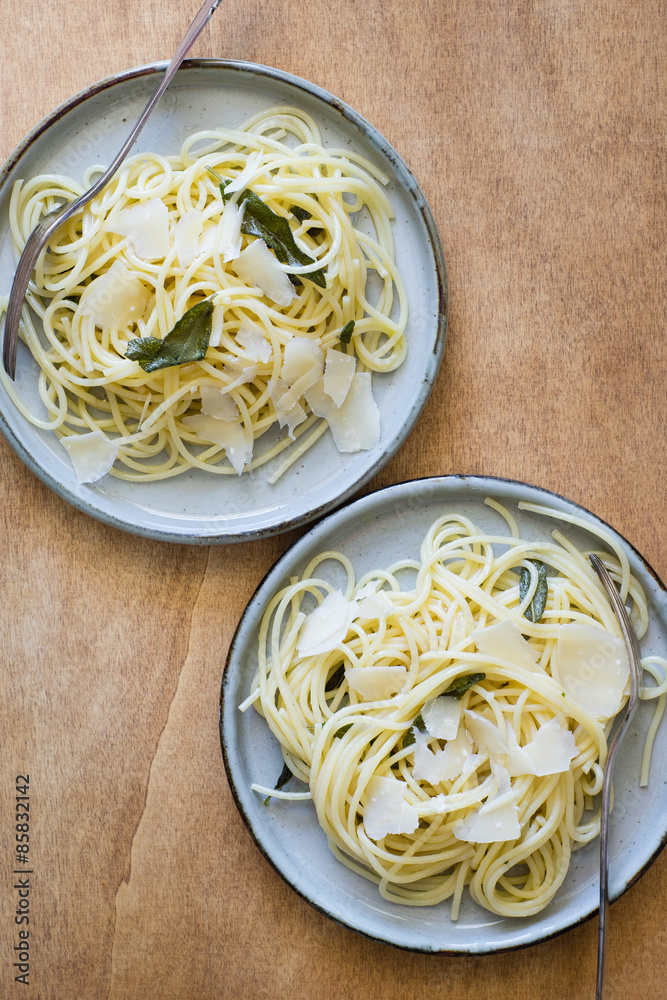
(634, 657)
(44, 230)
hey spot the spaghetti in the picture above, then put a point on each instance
(454, 734)
(345, 295)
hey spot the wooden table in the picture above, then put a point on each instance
(536, 129)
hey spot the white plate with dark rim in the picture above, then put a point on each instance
(375, 531)
(195, 507)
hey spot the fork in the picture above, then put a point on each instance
(45, 229)
(634, 657)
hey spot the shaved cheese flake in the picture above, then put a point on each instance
(551, 748)
(375, 606)
(517, 761)
(338, 374)
(246, 176)
(254, 344)
(146, 226)
(502, 777)
(229, 239)
(207, 239)
(504, 641)
(496, 820)
(224, 433)
(303, 360)
(486, 734)
(376, 683)
(443, 765)
(216, 403)
(257, 265)
(356, 424)
(442, 717)
(92, 454)
(290, 413)
(326, 626)
(116, 299)
(593, 668)
(186, 236)
(217, 320)
(386, 810)
(302, 365)
(501, 824)
(472, 762)
(239, 375)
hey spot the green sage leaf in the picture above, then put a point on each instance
(345, 335)
(462, 684)
(409, 738)
(259, 220)
(188, 341)
(535, 609)
(285, 776)
(300, 213)
(336, 679)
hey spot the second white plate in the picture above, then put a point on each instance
(376, 531)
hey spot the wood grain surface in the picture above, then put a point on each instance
(537, 131)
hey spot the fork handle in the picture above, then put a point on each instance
(634, 661)
(41, 234)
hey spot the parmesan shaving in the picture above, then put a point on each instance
(216, 403)
(225, 434)
(326, 627)
(593, 668)
(442, 717)
(254, 344)
(229, 232)
(92, 455)
(338, 374)
(116, 299)
(146, 226)
(257, 265)
(375, 683)
(356, 424)
(186, 236)
(504, 641)
(387, 810)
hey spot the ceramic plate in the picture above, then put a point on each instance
(196, 507)
(373, 532)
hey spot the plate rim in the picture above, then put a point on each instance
(367, 500)
(408, 183)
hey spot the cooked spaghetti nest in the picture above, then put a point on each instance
(339, 215)
(370, 760)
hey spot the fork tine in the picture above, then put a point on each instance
(25, 268)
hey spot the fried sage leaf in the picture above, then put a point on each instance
(409, 737)
(535, 609)
(285, 776)
(346, 333)
(300, 213)
(462, 684)
(188, 341)
(455, 690)
(259, 220)
(336, 679)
